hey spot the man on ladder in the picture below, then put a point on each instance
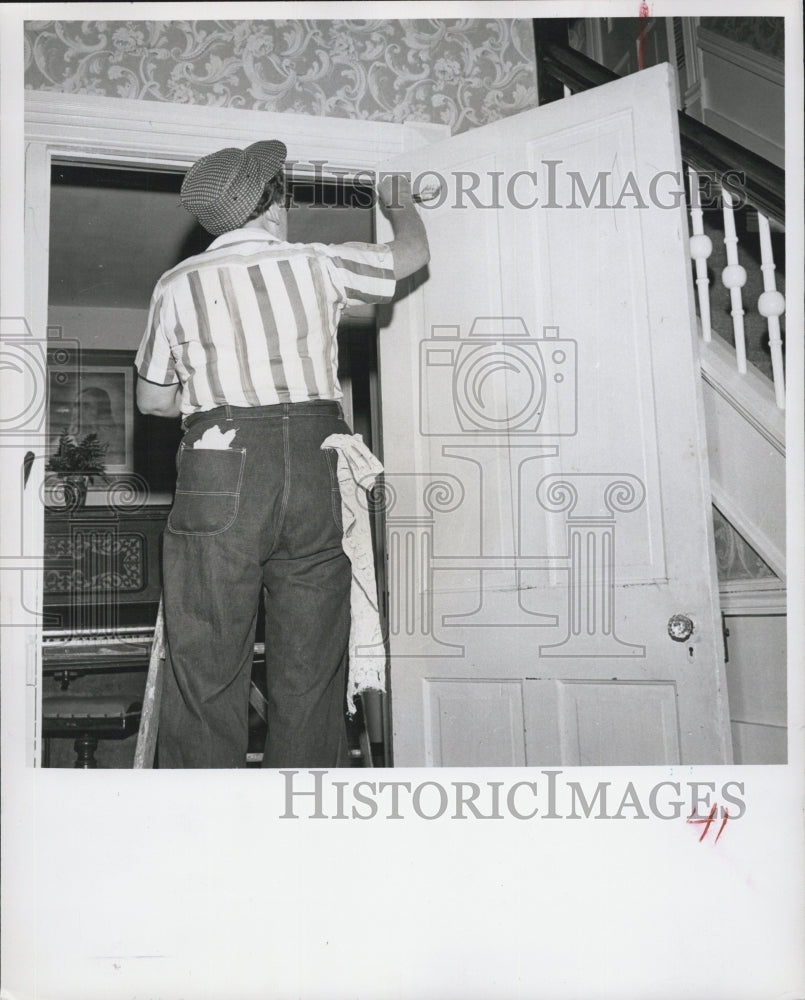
(241, 342)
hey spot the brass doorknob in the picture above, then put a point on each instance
(680, 627)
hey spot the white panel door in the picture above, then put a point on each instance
(547, 502)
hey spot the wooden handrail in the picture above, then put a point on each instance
(573, 68)
(750, 177)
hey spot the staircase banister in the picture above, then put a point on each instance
(753, 179)
(750, 177)
(573, 68)
(751, 395)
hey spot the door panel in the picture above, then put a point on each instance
(474, 722)
(592, 723)
(599, 298)
(547, 499)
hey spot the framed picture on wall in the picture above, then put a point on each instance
(92, 392)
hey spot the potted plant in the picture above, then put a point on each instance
(77, 464)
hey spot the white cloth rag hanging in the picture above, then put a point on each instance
(358, 469)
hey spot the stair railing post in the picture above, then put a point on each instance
(701, 247)
(771, 305)
(733, 278)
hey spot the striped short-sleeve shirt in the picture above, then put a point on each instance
(252, 321)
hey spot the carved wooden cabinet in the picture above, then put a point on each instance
(102, 569)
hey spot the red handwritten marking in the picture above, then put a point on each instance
(641, 38)
(707, 822)
(693, 818)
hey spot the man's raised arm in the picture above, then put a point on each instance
(410, 243)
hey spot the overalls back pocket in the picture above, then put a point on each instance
(207, 490)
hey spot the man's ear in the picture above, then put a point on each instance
(276, 211)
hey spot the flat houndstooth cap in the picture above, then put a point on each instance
(222, 188)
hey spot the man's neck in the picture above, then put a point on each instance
(278, 228)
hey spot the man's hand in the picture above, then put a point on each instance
(394, 191)
(410, 243)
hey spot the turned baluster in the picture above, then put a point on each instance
(771, 305)
(701, 247)
(733, 278)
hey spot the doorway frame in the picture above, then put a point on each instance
(153, 135)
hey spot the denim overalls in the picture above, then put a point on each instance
(266, 510)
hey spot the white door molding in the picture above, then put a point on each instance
(103, 128)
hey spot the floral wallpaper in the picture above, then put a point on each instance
(735, 557)
(463, 72)
(765, 34)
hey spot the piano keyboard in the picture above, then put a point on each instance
(121, 635)
(96, 650)
(125, 642)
